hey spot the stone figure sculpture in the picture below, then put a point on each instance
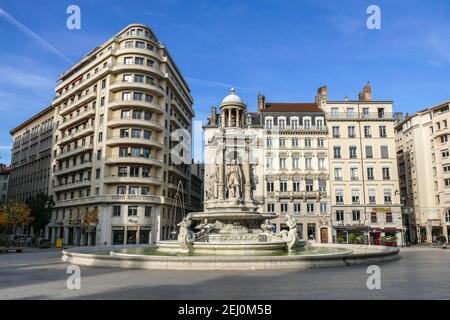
(234, 180)
(213, 192)
(186, 236)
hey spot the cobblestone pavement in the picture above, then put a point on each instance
(421, 273)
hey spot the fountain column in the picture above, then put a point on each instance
(221, 189)
(247, 177)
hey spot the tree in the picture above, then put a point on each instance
(15, 214)
(90, 218)
(41, 206)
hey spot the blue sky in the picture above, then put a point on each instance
(284, 49)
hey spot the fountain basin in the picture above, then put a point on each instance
(314, 256)
(227, 248)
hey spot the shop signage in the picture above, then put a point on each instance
(381, 209)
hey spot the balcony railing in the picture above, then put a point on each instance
(78, 131)
(73, 151)
(357, 116)
(322, 129)
(81, 83)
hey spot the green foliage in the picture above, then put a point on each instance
(41, 206)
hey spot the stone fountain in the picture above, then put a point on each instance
(231, 222)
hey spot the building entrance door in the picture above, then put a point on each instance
(324, 235)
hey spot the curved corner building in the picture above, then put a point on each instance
(112, 176)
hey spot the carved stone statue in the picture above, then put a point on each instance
(186, 236)
(234, 180)
(213, 192)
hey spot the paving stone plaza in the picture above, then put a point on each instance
(421, 273)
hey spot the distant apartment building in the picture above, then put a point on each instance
(4, 179)
(423, 153)
(115, 113)
(296, 173)
(197, 180)
(363, 167)
(31, 156)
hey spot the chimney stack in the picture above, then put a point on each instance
(366, 94)
(322, 95)
(213, 116)
(261, 102)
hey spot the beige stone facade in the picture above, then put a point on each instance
(424, 169)
(363, 168)
(31, 156)
(117, 113)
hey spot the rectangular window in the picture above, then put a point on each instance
(310, 207)
(282, 163)
(372, 196)
(321, 164)
(294, 124)
(145, 191)
(136, 133)
(148, 211)
(308, 163)
(354, 175)
(370, 175)
(351, 132)
(134, 171)
(283, 186)
(284, 207)
(282, 142)
(339, 196)
(122, 171)
(307, 142)
(309, 185)
(387, 196)
(356, 215)
(355, 196)
(369, 152)
(296, 186)
(322, 185)
(337, 152)
(116, 211)
(145, 172)
(336, 133)
(352, 152)
(339, 215)
(389, 217)
(147, 134)
(367, 132)
(121, 190)
(338, 174)
(270, 187)
(383, 132)
(384, 151)
(134, 190)
(320, 142)
(132, 211)
(386, 173)
(295, 163)
(270, 207)
(373, 217)
(323, 207)
(297, 207)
